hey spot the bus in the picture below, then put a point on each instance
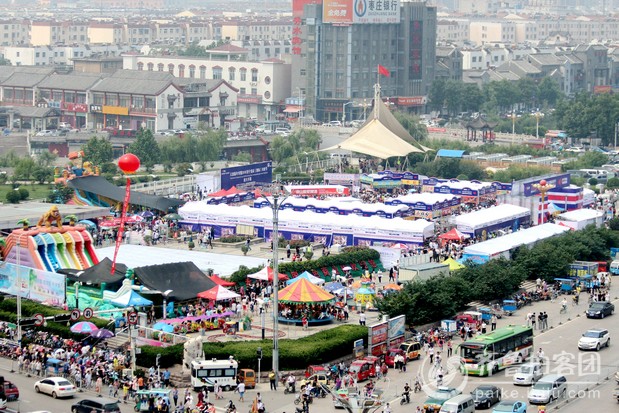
(488, 353)
(208, 372)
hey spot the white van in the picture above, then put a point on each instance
(599, 174)
(463, 403)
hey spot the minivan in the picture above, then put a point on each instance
(99, 406)
(412, 349)
(548, 388)
(463, 403)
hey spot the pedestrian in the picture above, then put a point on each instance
(391, 275)
(449, 347)
(431, 354)
(533, 318)
(288, 251)
(175, 396)
(528, 319)
(362, 318)
(248, 244)
(273, 380)
(166, 378)
(304, 322)
(493, 322)
(483, 327)
(241, 389)
(379, 275)
(540, 321)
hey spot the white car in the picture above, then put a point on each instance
(55, 387)
(528, 374)
(594, 339)
(45, 132)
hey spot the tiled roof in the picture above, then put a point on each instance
(74, 81)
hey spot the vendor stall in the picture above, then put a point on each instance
(428, 205)
(483, 222)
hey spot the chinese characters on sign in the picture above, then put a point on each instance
(361, 11)
(416, 50)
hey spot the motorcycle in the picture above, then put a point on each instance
(405, 399)
(289, 388)
(299, 398)
(417, 386)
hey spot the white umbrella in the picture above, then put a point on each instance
(347, 268)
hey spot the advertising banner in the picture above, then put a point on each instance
(38, 285)
(377, 333)
(360, 11)
(255, 173)
(397, 327)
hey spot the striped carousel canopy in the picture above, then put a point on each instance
(303, 291)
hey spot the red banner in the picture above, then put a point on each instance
(123, 218)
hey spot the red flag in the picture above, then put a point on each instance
(382, 70)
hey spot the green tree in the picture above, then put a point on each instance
(437, 94)
(455, 97)
(413, 125)
(193, 50)
(242, 157)
(612, 183)
(528, 92)
(474, 97)
(506, 94)
(25, 168)
(146, 148)
(43, 174)
(60, 194)
(548, 91)
(46, 158)
(13, 197)
(98, 151)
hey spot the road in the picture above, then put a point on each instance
(559, 344)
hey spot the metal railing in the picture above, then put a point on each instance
(168, 187)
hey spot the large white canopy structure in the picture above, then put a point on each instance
(491, 218)
(382, 136)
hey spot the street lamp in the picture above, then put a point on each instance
(76, 287)
(301, 102)
(513, 116)
(165, 303)
(279, 197)
(344, 110)
(543, 187)
(538, 115)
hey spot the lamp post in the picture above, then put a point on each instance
(165, 302)
(543, 187)
(344, 111)
(513, 116)
(301, 102)
(538, 115)
(279, 197)
(76, 287)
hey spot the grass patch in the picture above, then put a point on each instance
(37, 191)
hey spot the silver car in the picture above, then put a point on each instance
(528, 374)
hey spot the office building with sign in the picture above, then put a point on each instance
(338, 45)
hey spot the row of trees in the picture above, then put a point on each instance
(457, 96)
(441, 297)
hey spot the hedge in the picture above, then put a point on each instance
(318, 348)
(348, 256)
(8, 312)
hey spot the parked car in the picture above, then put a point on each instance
(513, 406)
(45, 132)
(99, 406)
(412, 349)
(594, 339)
(528, 374)
(390, 356)
(55, 387)
(600, 309)
(439, 396)
(11, 391)
(486, 396)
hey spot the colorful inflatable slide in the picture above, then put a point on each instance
(51, 249)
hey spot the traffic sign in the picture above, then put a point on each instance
(88, 313)
(75, 314)
(133, 318)
(39, 319)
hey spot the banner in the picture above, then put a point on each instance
(121, 229)
(247, 175)
(37, 285)
(377, 334)
(344, 12)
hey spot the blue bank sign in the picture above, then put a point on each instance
(247, 175)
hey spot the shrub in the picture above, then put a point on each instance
(349, 255)
(231, 239)
(13, 197)
(23, 193)
(293, 243)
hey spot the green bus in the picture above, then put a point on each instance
(488, 353)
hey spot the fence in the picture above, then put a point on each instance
(168, 187)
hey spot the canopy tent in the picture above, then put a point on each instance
(496, 217)
(309, 277)
(453, 264)
(266, 274)
(382, 136)
(220, 281)
(184, 279)
(98, 274)
(554, 208)
(131, 299)
(218, 293)
(453, 235)
(303, 291)
(333, 286)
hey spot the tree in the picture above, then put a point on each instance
(60, 194)
(548, 91)
(46, 158)
(413, 125)
(242, 157)
(43, 174)
(98, 151)
(25, 168)
(146, 148)
(506, 94)
(13, 197)
(474, 97)
(437, 94)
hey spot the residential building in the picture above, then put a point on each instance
(254, 29)
(208, 102)
(483, 32)
(105, 33)
(448, 63)
(452, 31)
(57, 55)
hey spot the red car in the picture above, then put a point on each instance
(394, 351)
(362, 369)
(11, 391)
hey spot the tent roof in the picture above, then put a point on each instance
(450, 153)
(382, 136)
(98, 274)
(304, 291)
(220, 281)
(309, 277)
(266, 273)
(454, 234)
(100, 186)
(183, 278)
(490, 216)
(131, 298)
(218, 293)
(453, 264)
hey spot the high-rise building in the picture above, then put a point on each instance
(338, 45)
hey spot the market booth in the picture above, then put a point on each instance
(580, 218)
(339, 206)
(389, 179)
(428, 205)
(472, 192)
(485, 221)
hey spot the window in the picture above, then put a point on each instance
(140, 66)
(150, 67)
(243, 75)
(254, 75)
(171, 68)
(181, 70)
(202, 72)
(242, 91)
(231, 73)
(254, 91)
(192, 71)
(217, 72)
(137, 102)
(160, 67)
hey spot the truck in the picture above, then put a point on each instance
(422, 272)
(206, 373)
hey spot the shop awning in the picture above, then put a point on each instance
(293, 109)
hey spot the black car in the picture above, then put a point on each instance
(600, 309)
(99, 406)
(486, 396)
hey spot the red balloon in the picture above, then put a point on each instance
(542, 182)
(129, 163)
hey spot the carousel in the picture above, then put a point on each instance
(302, 299)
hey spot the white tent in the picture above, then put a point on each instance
(485, 218)
(309, 277)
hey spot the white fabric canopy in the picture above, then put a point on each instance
(507, 242)
(490, 216)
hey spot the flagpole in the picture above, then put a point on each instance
(377, 75)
